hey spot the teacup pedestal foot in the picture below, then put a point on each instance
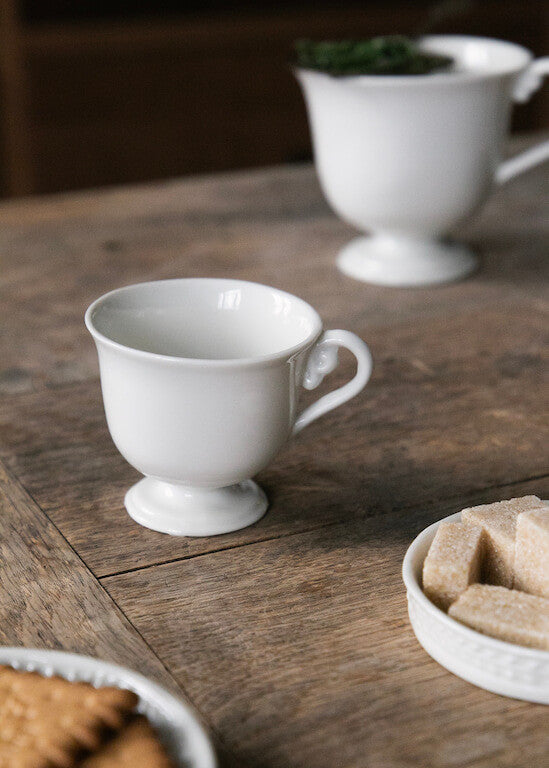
(187, 511)
(405, 262)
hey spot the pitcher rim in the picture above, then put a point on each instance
(432, 78)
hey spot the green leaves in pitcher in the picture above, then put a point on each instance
(391, 55)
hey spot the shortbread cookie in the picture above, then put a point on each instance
(506, 614)
(46, 722)
(453, 562)
(135, 746)
(499, 521)
(532, 552)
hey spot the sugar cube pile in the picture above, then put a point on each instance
(490, 570)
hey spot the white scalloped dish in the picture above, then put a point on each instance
(176, 723)
(499, 667)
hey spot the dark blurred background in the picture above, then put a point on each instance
(109, 91)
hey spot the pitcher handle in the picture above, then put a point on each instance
(526, 85)
(323, 360)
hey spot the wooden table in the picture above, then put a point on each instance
(290, 637)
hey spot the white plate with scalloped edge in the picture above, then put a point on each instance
(499, 667)
(178, 725)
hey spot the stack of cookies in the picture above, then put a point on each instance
(49, 722)
(490, 571)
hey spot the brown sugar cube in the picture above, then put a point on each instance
(135, 746)
(45, 722)
(453, 562)
(532, 552)
(499, 521)
(506, 614)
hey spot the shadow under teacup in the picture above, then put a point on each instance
(200, 381)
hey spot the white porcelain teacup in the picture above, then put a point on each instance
(410, 157)
(200, 381)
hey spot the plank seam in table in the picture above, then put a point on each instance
(176, 684)
(442, 502)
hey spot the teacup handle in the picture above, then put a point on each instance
(527, 84)
(323, 360)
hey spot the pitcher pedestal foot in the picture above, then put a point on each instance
(185, 511)
(405, 262)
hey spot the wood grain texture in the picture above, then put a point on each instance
(290, 636)
(271, 226)
(300, 652)
(48, 597)
(455, 405)
(453, 391)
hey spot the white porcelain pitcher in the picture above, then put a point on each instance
(409, 157)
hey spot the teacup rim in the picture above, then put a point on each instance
(433, 78)
(237, 362)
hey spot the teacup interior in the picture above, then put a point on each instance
(204, 319)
